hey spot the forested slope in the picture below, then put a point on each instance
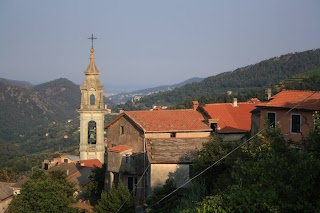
(242, 80)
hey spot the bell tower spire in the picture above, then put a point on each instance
(92, 113)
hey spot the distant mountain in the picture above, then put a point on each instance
(22, 108)
(247, 79)
(124, 97)
(23, 84)
(62, 94)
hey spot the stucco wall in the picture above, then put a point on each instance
(178, 135)
(284, 122)
(233, 137)
(159, 173)
(131, 137)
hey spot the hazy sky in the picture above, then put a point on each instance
(149, 43)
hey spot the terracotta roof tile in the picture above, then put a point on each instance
(91, 163)
(168, 120)
(119, 148)
(294, 98)
(230, 118)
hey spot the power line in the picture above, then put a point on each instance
(134, 187)
(236, 148)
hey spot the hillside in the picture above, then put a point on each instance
(23, 107)
(242, 80)
(123, 97)
(62, 94)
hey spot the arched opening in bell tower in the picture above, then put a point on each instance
(92, 132)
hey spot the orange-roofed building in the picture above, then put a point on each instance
(290, 110)
(92, 163)
(230, 120)
(163, 141)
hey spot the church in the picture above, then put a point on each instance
(92, 111)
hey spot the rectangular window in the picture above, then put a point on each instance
(272, 119)
(121, 130)
(130, 184)
(172, 134)
(295, 123)
(128, 158)
(213, 126)
(191, 171)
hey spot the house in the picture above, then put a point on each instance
(18, 186)
(160, 142)
(77, 171)
(230, 120)
(6, 195)
(290, 110)
(76, 174)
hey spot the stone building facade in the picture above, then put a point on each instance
(145, 148)
(92, 111)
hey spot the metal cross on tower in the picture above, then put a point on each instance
(92, 38)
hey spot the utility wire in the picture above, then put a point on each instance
(236, 148)
(134, 187)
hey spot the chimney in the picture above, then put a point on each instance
(268, 94)
(235, 102)
(195, 105)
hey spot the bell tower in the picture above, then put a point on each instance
(92, 113)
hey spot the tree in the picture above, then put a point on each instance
(44, 193)
(218, 177)
(96, 185)
(7, 174)
(270, 177)
(117, 197)
(160, 192)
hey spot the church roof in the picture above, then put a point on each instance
(92, 68)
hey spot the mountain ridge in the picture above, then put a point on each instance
(241, 80)
(125, 96)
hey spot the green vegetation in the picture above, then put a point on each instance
(264, 175)
(45, 193)
(23, 107)
(159, 193)
(31, 149)
(112, 200)
(96, 185)
(309, 74)
(242, 81)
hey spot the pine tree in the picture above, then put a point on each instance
(118, 199)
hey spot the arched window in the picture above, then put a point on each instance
(92, 130)
(92, 99)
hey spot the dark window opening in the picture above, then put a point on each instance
(128, 158)
(135, 184)
(172, 134)
(191, 171)
(121, 130)
(272, 119)
(92, 132)
(295, 123)
(92, 99)
(213, 126)
(130, 184)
